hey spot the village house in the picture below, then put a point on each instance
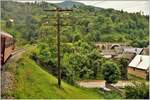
(139, 66)
(145, 51)
(126, 52)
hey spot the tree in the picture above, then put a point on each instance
(77, 37)
(140, 43)
(123, 68)
(76, 66)
(8, 23)
(111, 72)
(95, 60)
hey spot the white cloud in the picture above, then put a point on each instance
(129, 6)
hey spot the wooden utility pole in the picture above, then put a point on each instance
(58, 10)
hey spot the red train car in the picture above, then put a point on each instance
(7, 46)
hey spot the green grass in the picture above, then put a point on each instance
(33, 82)
(135, 78)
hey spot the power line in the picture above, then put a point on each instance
(98, 2)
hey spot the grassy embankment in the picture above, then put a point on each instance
(31, 81)
(34, 82)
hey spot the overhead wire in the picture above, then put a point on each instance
(123, 6)
(98, 2)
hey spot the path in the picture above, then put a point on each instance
(101, 83)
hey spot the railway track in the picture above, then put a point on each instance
(17, 51)
(13, 55)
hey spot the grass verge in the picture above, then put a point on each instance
(34, 82)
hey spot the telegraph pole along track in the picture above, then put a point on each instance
(58, 11)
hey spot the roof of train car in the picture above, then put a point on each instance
(5, 34)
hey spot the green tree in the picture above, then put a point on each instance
(77, 37)
(123, 68)
(111, 72)
(95, 61)
(76, 67)
(8, 24)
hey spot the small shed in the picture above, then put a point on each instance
(139, 66)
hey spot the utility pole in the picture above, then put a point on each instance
(58, 10)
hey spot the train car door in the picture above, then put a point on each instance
(2, 48)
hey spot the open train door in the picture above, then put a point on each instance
(2, 49)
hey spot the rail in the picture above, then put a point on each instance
(17, 51)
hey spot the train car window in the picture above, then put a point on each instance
(6, 43)
(9, 42)
(12, 42)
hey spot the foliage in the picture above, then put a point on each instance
(8, 23)
(123, 68)
(78, 60)
(111, 95)
(106, 25)
(95, 60)
(111, 72)
(82, 63)
(140, 43)
(137, 91)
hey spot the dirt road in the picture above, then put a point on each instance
(101, 83)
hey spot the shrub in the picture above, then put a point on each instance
(137, 91)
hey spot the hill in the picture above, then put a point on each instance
(69, 4)
(33, 82)
(93, 24)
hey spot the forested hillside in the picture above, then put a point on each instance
(89, 23)
(79, 58)
(30, 24)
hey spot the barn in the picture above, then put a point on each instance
(139, 66)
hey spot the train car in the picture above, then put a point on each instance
(7, 46)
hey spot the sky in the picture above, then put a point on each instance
(125, 5)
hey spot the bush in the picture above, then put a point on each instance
(137, 91)
(111, 72)
(8, 24)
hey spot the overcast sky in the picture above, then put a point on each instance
(126, 5)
